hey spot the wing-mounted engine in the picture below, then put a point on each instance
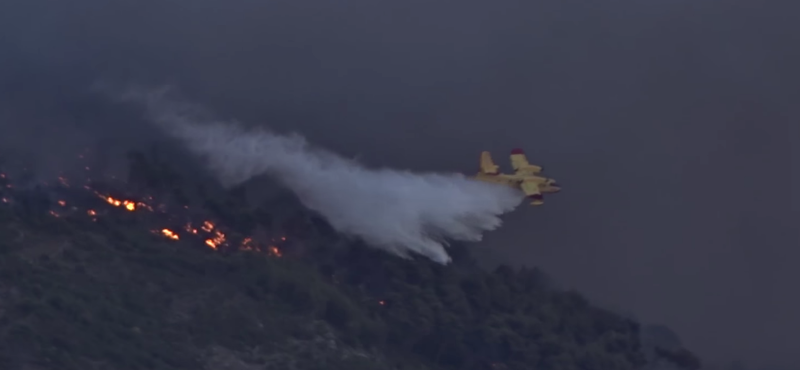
(525, 176)
(521, 165)
(532, 192)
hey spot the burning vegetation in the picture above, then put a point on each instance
(180, 223)
(95, 292)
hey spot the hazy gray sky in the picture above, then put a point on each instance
(671, 124)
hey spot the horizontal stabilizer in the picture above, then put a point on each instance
(487, 165)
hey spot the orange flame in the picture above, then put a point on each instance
(170, 234)
(215, 241)
(113, 202)
(273, 250)
(215, 238)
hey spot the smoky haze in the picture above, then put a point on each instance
(671, 124)
(399, 211)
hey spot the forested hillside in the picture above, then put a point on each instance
(161, 271)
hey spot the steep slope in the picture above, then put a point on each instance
(203, 279)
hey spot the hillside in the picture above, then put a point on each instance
(166, 272)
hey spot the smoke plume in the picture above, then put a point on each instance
(399, 211)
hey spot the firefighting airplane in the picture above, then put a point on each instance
(524, 176)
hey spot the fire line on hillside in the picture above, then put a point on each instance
(206, 230)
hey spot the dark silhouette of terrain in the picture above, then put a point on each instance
(162, 271)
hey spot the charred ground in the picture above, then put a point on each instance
(162, 271)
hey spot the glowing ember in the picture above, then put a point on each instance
(144, 205)
(127, 204)
(275, 251)
(170, 234)
(189, 228)
(248, 245)
(217, 240)
(212, 236)
(113, 202)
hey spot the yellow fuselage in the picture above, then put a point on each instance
(522, 182)
(515, 181)
(524, 177)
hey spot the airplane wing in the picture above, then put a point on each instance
(531, 190)
(487, 165)
(521, 165)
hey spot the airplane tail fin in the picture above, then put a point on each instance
(521, 165)
(487, 165)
